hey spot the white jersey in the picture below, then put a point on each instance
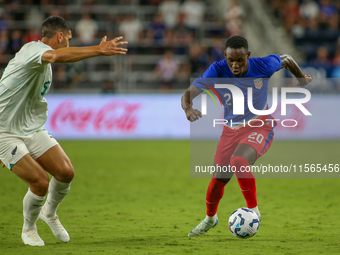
(23, 85)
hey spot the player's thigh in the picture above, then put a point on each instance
(223, 173)
(33, 174)
(56, 162)
(254, 144)
(39, 143)
(49, 154)
(224, 151)
(246, 151)
(15, 155)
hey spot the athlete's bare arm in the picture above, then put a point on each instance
(74, 54)
(186, 100)
(289, 63)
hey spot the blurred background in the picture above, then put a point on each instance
(170, 41)
(144, 183)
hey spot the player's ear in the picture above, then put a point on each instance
(248, 55)
(59, 37)
(225, 53)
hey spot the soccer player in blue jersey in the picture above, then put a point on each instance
(240, 145)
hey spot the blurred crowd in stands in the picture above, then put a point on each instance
(186, 35)
(168, 28)
(314, 25)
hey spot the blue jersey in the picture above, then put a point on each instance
(257, 77)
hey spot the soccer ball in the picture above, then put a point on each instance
(244, 223)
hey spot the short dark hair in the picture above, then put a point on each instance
(52, 25)
(236, 42)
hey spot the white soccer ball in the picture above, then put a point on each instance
(244, 223)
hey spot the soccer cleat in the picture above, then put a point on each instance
(256, 210)
(54, 223)
(203, 227)
(31, 237)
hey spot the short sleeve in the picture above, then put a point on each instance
(34, 54)
(270, 64)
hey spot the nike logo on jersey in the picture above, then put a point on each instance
(14, 151)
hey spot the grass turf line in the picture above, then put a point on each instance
(137, 197)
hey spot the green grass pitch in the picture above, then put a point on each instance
(137, 197)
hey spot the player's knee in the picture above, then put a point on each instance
(238, 161)
(243, 151)
(225, 180)
(40, 185)
(70, 174)
(223, 176)
(66, 172)
(44, 185)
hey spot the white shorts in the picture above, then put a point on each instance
(13, 146)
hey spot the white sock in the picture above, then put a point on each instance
(211, 218)
(56, 193)
(32, 207)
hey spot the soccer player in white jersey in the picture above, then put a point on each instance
(25, 146)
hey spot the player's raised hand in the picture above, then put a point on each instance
(112, 47)
(304, 82)
(193, 114)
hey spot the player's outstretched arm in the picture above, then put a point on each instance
(74, 54)
(186, 101)
(290, 64)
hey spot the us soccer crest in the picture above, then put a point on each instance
(258, 83)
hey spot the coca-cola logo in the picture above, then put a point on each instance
(116, 115)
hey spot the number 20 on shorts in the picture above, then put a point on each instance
(255, 137)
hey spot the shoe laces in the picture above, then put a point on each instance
(33, 234)
(205, 224)
(57, 222)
